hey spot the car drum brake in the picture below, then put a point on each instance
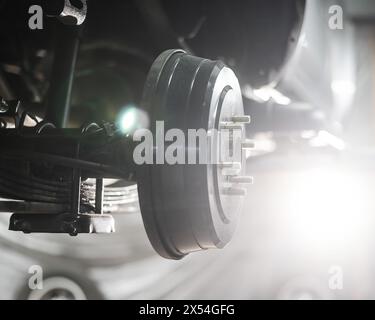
(189, 207)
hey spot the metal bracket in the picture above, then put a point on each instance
(62, 223)
(69, 12)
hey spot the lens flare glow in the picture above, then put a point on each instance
(132, 118)
(328, 210)
(128, 120)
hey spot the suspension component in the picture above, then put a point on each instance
(193, 204)
(70, 12)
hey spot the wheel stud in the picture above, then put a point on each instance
(234, 191)
(241, 179)
(241, 119)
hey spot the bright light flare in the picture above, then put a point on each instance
(329, 210)
(343, 92)
(131, 119)
(341, 87)
(128, 120)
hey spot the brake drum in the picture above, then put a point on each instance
(189, 207)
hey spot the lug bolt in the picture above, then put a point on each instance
(234, 192)
(248, 144)
(241, 179)
(241, 119)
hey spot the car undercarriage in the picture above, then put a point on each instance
(132, 131)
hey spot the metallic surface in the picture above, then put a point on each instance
(183, 206)
(70, 12)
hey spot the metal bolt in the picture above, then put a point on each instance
(241, 179)
(248, 144)
(231, 165)
(230, 168)
(234, 191)
(241, 119)
(230, 126)
(70, 229)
